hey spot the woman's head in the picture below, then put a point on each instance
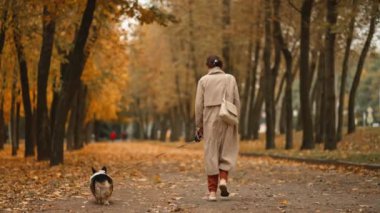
(214, 61)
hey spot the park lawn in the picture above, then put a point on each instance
(360, 147)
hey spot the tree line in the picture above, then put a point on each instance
(66, 65)
(62, 69)
(289, 55)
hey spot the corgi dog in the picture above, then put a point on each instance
(101, 186)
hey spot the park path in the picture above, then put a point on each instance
(147, 181)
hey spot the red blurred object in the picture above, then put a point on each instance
(113, 135)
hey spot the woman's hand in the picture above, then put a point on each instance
(200, 131)
(198, 134)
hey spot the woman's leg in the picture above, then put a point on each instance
(223, 175)
(229, 150)
(212, 186)
(228, 155)
(211, 133)
(223, 183)
(212, 182)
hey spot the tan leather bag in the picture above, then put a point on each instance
(228, 111)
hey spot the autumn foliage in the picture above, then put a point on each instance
(69, 67)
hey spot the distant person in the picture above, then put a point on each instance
(220, 138)
(113, 135)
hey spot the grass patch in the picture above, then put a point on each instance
(361, 147)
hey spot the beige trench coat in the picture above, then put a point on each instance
(221, 145)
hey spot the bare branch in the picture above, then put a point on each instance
(293, 6)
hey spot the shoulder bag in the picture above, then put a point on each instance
(228, 111)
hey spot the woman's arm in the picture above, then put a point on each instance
(236, 97)
(199, 105)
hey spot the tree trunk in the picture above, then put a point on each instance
(226, 22)
(320, 108)
(288, 75)
(253, 77)
(293, 74)
(3, 132)
(89, 130)
(275, 69)
(188, 122)
(252, 93)
(245, 95)
(53, 109)
(142, 124)
(313, 66)
(175, 125)
(314, 86)
(307, 123)
(163, 128)
(43, 127)
(12, 125)
(185, 111)
(3, 28)
(80, 117)
(155, 125)
(288, 110)
(17, 130)
(97, 129)
(359, 68)
(56, 90)
(282, 124)
(189, 130)
(34, 129)
(269, 79)
(29, 143)
(76, 128)
(192, 62)
(72, 124)
(71, 83)
(188, 118)
(257, 109)
(332, 14)
(345, 70)
(13, 128)
(3, 136)
(2, 126)
(280, 88)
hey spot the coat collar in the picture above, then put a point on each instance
(215, 70)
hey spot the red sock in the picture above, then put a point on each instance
(223, 174)
(212, 183)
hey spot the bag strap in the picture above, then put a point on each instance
(225, 87)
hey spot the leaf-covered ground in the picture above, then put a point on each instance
(152, 177)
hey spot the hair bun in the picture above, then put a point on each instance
(214, 61)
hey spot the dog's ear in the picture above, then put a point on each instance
(104, 169)
(93, 170)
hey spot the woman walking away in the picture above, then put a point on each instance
(215, 91)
